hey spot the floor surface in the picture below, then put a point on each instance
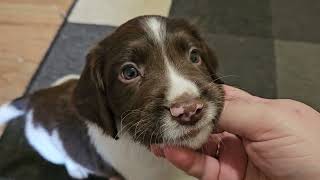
(270, 48)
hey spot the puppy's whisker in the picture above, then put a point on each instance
(144, 128)
(130, 112)
(128, 126)
(157, 138)
(225, 76)
(132, 127)
(165, 131)
(211, 84)
(221, 77)
(157, 133)
(137, 125)
(150, 140)
(152, 97)
(145, 132)
(123, 128)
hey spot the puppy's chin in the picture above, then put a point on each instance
(194, 140)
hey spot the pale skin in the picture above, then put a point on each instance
(264, 139)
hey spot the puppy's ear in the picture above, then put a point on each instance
(90, 96)
(212, 64)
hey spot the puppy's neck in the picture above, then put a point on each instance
(131, 159)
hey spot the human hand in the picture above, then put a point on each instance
(280, 138)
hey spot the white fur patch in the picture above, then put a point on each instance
(8, 112)
(156, 29)
(178, 85)
(50, 147)
(65, 79)
(132, 160)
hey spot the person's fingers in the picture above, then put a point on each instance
(232, 92)
(232, 158)
(210, 148)
(193, 163)
(246, 115)
(253, 173)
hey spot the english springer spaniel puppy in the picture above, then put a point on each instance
(152, 81)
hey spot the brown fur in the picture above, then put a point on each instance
(53, 109)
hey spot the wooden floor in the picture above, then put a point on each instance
(27, 28)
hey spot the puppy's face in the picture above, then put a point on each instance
(159, 77)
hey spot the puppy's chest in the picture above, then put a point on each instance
(133, 160)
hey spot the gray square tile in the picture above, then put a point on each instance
(296, 20)
(248, 62)
(298, 71)
(228, 17)
(67, 54)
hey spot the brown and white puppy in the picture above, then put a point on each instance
(152, 81)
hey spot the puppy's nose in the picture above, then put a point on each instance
(187, 112)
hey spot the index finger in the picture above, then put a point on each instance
(193, 163)
(246, 115)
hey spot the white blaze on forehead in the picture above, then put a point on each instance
(156, 29)
(178, 85)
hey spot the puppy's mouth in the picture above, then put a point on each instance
(193, 138)
(170, 132)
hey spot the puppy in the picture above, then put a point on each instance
(152, 81)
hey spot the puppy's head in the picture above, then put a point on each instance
(155, 79)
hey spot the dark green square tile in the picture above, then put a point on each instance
(228, 17)
(247, 62)
(298, 71)
(296, 20)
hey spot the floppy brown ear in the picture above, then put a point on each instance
(90, 96)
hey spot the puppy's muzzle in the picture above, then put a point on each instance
(187, 111)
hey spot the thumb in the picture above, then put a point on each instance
(246, 115)
(193, 163)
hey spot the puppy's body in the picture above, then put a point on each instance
(152, 81)
(61, 136)
(56, 131)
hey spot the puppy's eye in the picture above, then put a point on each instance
(195, 56)
(129, 72)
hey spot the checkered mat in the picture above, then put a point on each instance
(269, 48)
